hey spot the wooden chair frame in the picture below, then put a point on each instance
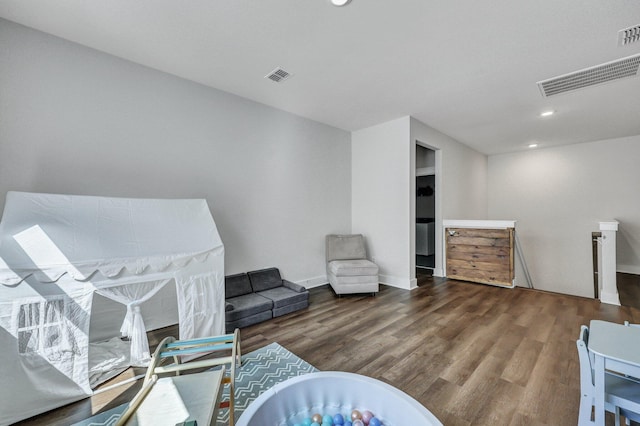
(174, 350)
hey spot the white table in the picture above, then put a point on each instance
(616, 347)
(177, 399)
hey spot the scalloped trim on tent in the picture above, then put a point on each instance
(138, 266)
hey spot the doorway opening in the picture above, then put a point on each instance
(425, 208)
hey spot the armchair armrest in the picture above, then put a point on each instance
(293, 286)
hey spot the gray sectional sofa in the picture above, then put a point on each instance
(257, 296)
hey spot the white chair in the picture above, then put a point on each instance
(622, 395)
(348, 269)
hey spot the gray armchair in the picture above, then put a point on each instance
(348, 269)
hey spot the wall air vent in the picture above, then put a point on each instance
(614, 70)
(629, 35)
(278, 75)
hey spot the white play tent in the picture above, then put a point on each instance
(64, 263)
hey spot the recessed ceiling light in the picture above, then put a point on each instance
(547, 113)
(340, 2)
(533, 145)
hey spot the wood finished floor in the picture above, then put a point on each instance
(472, 354)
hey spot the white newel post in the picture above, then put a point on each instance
(607, 275)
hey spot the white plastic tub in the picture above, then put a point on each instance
(331, 392)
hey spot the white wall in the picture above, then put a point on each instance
(383, 191)
(558, 196)
(380, 197)
(75, 120)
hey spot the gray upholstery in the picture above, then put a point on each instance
(355, 267)
(236, 285)
(283, 296)
(247, 305)
(257, 296)
(243, 307)
(348, 269)
(277, 312)
(264, 279)
(345, 247)
(247, 321)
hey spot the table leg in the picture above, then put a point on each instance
(599, 381)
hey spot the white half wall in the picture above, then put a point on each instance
(558, 196)
(383, 191)
(77, 121)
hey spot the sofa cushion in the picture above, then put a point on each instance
(354, 267)
(277, 312)
(265, 279)
(236, 285)
(247, 305)
(283, 296)
(247, 321)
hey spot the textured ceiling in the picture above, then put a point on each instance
(465, 67)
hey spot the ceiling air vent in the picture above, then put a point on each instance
(278, 75)
(629, 35)
(614, 70)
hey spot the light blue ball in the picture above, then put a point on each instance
(327, 419)
(348, 423)
(338, 419)
(315, 424)
(307, 421)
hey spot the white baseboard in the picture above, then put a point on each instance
(628, 269)
(404, 283)
(438, 272)
(314, 282)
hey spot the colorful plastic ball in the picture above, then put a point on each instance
(366, 416)
(358, 422)
(356, 415)
(348, 423)
(315, 424)
(327, 419)
(317, 418)
(326, 424)
(338, 419)
(307, 421)
(374, 422)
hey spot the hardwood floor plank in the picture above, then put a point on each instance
(472, 354)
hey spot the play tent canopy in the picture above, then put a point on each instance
(58, 251)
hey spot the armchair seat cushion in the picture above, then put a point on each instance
(353, 267)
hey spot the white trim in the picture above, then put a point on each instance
(438, 272)
(610, 298)
(403, 283)
(313, 282)
(479, 223)
(609, 226)
(628, 269)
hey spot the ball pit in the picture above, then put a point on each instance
(334, 395)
